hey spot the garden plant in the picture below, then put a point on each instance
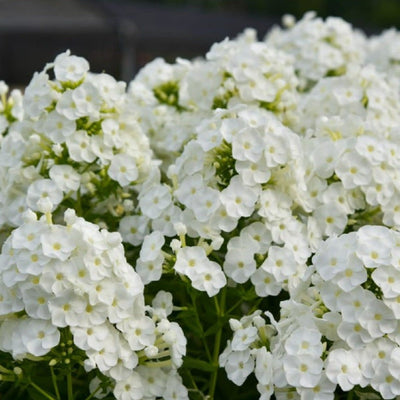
(226, 227)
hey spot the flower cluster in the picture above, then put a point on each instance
(76, 276)
(340, 330)
(174, 99)
(320, 48)
(75, 145)
(258, 185)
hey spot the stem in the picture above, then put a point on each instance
(41, 391)
(350, 395)
(237, 304)
(201, 327)
(69, 386)
(54, 379)
(93, 393)
(217, 342)
(78, 204)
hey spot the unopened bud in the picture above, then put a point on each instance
(151, 351)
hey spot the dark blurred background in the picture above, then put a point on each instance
(120, 36)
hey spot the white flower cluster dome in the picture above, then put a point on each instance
(76, 143)
(340, 330)
(76, 277)
(174, 99)
(275, 195)
(319, 47)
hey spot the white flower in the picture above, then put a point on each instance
(57, 127)
(39, 336)
(353, 170)
(130, 388)
(80, 147)
(163, 301)
(56, 244)
(248, 145)
(239, 264)
(209, 278)
(280, 263)
(66, 309)
(123, 169)
(65, 177)
(323, 390)
(239, 366)
(174, 388)
(155, 201)
(151, 247)
(342, 368)
(150, 271)
(43, 188)
(378, 319)
(91, 337)
(374, 245)
(70, 68)
(265, 283)
(304, 341)
(239, 199)
(133, 228)
(189, 258)
(303, 370)
(243, 338)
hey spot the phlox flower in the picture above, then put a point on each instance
(123, 169)
(239, 199)
(342, 368)
(130, 388)
(155, 201)
(70, 68)
(133, 228)
(304, 341)
(65, 177)
(43, 188)
(66, 309)
(378, 319)
(39, 336)
(56, 244)
(323, 390)
(303, 370)
(209, 278)
(239, 365)
(174, 388)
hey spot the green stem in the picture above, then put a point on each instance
(93, 393)
(350, 395)
(41, 391)
(237, 304)
(201, 327)
(220, 307)
(70, 390)
(78, 203)
(54, 379)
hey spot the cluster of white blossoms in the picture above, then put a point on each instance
(267, 168)
(76, 144)
(76, 276)
(173, 99)
(341, 329)
(294, 169)
(320, 48)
